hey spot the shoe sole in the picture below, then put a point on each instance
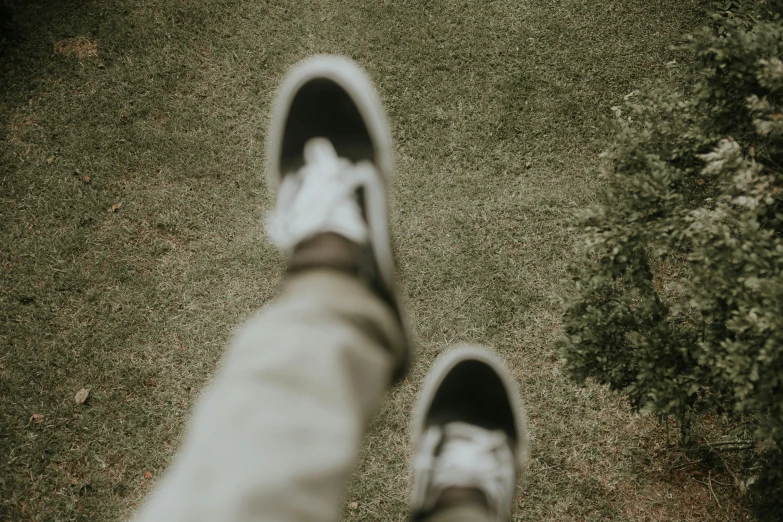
(354, 81)
(441, 369)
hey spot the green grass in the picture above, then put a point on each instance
(499, 110)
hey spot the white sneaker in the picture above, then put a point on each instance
(330, 162)
(469, 431)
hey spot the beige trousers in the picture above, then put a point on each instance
(275, 435)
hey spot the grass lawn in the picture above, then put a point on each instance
(131, 242)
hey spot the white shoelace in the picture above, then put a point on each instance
(320, 197)
(465, 455)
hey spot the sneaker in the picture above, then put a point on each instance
(330, 163)
(469, 432)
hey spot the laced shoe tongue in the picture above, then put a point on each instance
(320, 197)
(320, 151)
(472, 457)
(469, 454)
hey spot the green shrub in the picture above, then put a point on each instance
(680, 302)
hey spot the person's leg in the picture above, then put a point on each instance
(275, 435)
(470, 439)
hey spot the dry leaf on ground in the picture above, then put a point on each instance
(115, 207)
(81, 396)
(37, 417)
(353, 505)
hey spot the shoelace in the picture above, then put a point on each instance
(464, 455)
(320, 197)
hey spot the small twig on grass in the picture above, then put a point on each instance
(731, 445)
(684, 464)
(726, 465)
(730, 442)
(709, 483)
(729, 449)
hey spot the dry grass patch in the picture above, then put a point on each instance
(79, 46)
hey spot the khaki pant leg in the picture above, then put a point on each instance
(275, 435)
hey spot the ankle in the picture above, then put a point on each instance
(461, 496)
(333, 251)
(327, 250)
